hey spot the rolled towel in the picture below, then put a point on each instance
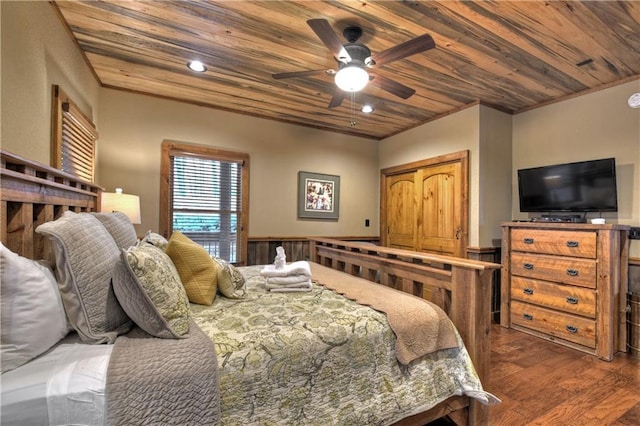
(301, 267)
(281, 259)
(291, 279)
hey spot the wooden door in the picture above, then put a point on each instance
(424, 205)
(439, 224)
(401, 211)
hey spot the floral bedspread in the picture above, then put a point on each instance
(317, 358)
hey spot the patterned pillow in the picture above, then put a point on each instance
(155, 239)
(149, 289)
(230, 281)
(86, 256)
(120, 228)
(198, 272)
(31, 312)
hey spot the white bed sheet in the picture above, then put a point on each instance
(64, 386)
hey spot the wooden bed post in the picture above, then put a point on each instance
(471, 295)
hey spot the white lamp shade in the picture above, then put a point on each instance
(352, 78)
(119, 202)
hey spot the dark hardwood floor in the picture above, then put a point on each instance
(543, 383)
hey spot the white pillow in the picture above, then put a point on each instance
(32, 313)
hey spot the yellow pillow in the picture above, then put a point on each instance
(198, 272)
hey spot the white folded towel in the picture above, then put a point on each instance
(291, 279)
(301, 267)
(290, 288)
(300, 283)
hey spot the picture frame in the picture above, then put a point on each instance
(318, 196)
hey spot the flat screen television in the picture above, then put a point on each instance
(586, 186)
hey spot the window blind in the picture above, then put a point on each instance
(206, 203)
(73, 138)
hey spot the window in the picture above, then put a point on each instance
(204, 194)
(73, 138)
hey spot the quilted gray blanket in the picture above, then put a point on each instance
(154, 381)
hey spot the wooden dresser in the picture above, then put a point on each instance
(567, 282)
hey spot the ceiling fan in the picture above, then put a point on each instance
(355, 58)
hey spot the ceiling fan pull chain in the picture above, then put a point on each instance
(353, 122)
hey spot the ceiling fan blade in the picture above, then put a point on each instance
(392, 86)
(281, 75)
(330, 39)
(336, 100)
(402, 50)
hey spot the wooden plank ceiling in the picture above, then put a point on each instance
(512, 55)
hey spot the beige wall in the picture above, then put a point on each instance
(38, 52)
(494, 204)
(132, 127)
(453, 133)
(486, 133)
(597, 125)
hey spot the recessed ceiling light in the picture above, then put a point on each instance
(196, 66)
(367, 109)
(634, 100)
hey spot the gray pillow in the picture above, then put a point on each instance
(149, 288)
(120, 228)
(86, 256)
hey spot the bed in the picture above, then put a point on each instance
(299, 344)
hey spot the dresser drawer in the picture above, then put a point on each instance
(566, 243)
(580, 272)
(565, 298)
(564, 326)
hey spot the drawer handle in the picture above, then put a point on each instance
(528, 317)
(527, 291)
(572, 300)
(572, 272)
(572, 329)
(528, 240)
(528, 266)
(572, 244)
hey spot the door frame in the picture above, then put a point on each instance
(462, 157)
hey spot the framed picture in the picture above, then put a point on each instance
(318, 196)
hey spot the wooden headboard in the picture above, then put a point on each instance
(32, 194)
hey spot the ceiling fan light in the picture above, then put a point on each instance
(351, 78)
(367, 109)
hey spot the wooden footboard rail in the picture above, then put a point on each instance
(33, 194)
(462, 287)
